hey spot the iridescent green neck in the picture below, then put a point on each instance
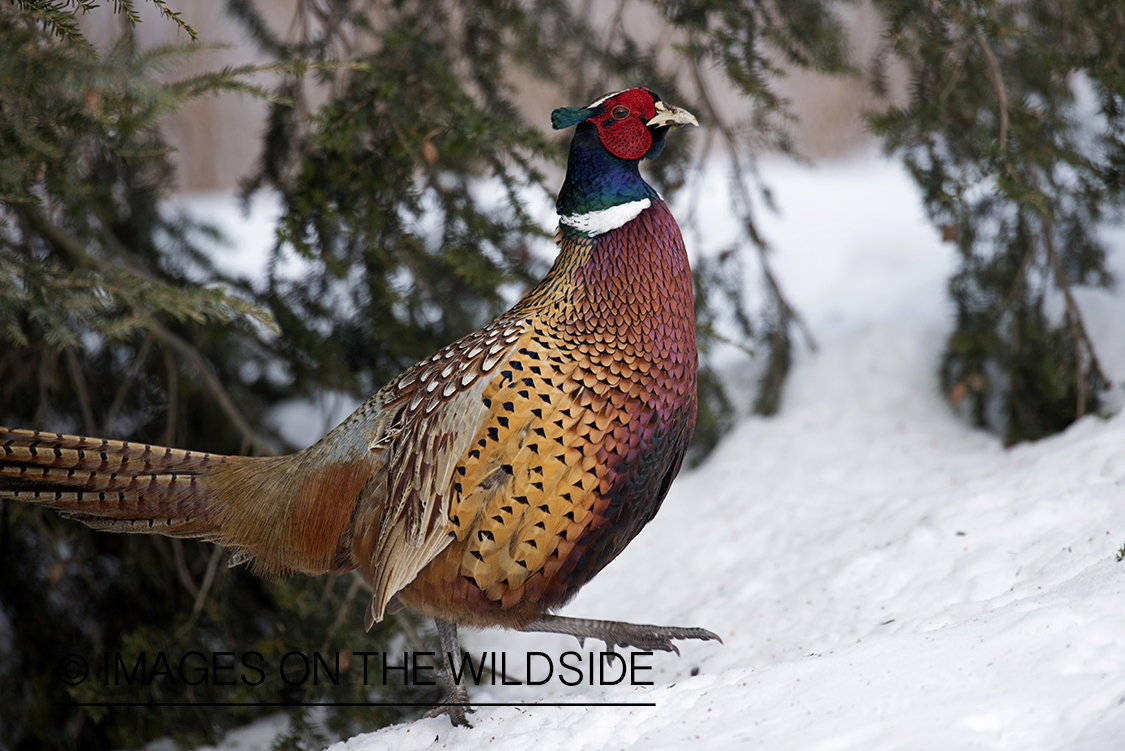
(601, 191)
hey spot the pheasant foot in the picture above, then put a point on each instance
(615, 633)
(456, 702)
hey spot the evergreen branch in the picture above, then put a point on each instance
(127, 9)
(159, 57)
(58, 17)
(230, 78)
(60, 21)
(175, 18)
(74, 250)
(154, 293)
(787, 312)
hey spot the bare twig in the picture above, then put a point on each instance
(711, 333)
(695, 192)
(1021, 275)
(1075, 322)
(342, 611)
(127, 382)
(213, 386)
(173, 389)
(204, 590)
(997, 82)
(1013, 294)
(405, 623)
(181, 567)
(78, 381)
(48, 374)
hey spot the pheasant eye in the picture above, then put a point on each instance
(620, 112)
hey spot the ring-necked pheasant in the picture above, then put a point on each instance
(485, 485)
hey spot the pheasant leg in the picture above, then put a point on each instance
(614, 633)
(456, 702)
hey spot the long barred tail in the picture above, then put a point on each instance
(113, 486)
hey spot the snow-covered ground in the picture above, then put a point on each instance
(882, 575)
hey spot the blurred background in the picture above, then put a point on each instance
(217, 140)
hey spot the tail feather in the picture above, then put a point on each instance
(112, 485)
(98, 454)
(291, 513)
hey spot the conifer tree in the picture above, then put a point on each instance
(1015, 134)
(114, 322)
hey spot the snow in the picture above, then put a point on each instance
(882, 575)
(248, 231)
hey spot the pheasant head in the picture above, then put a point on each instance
(603, 188)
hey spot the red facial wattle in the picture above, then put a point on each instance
(621, 126)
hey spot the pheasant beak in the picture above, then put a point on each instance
(668, 114)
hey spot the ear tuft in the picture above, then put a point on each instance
(564, 117)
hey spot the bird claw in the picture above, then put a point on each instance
(456, 711)
(616, 634)
(652, 638)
